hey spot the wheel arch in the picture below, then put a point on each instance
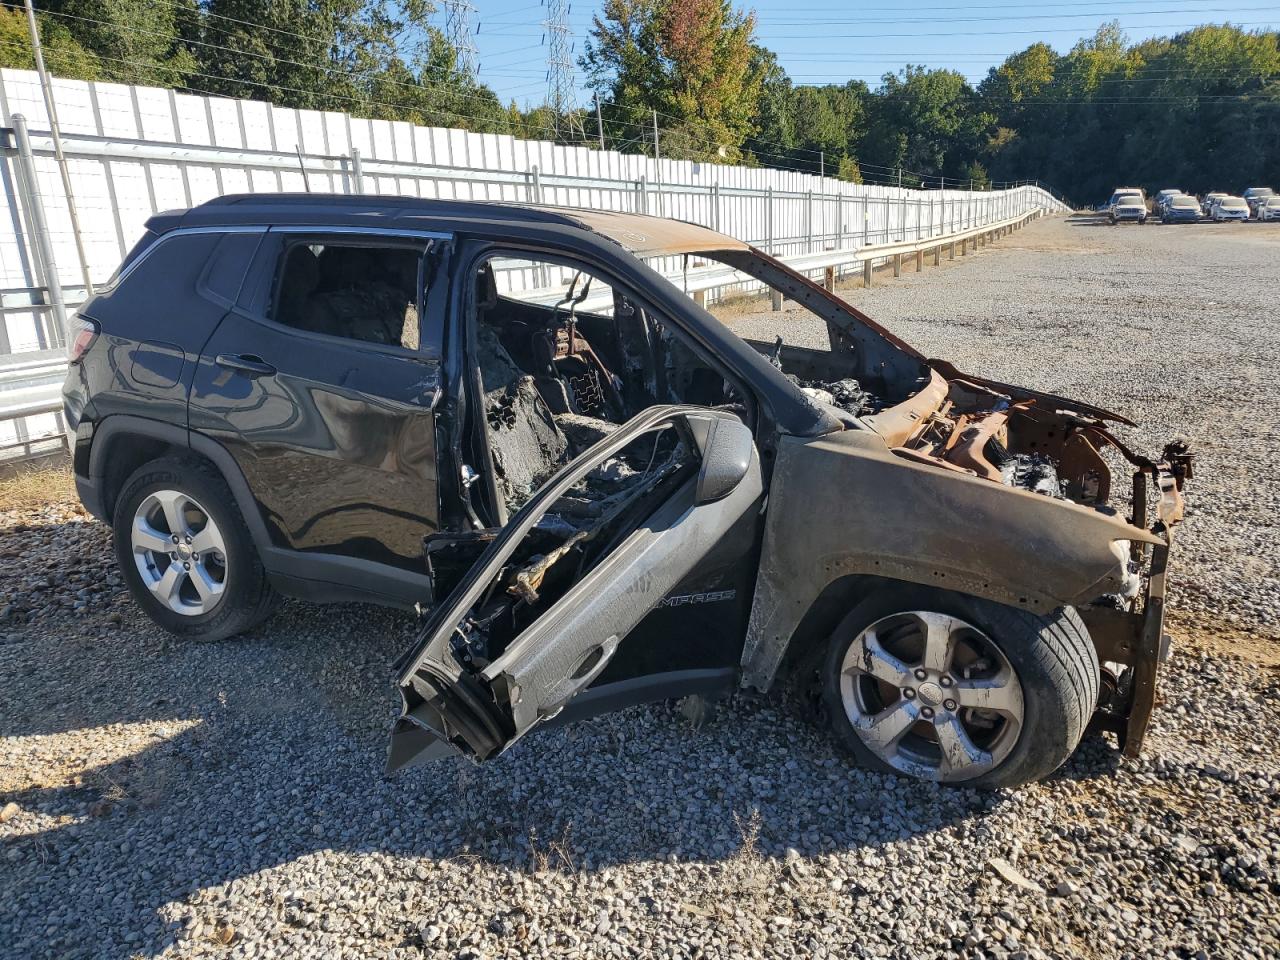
(845, 513)
(122, 443)
(808, 640)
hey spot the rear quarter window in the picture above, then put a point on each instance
(177, 289)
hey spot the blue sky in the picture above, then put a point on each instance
(829, 41)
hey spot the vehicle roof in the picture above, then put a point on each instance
(642, 235)
(609, 235)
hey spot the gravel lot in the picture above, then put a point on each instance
(165, 799)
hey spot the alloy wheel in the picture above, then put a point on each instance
(179, 552)
(932, 696)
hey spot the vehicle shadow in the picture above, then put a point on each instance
(189, 767)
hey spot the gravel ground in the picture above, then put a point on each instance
(166, 799)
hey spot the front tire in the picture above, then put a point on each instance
(186, 553)
(946, 687)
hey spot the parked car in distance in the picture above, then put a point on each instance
(1128, 206)
(1121, 192)
(1181, 209)
(602, 496)
(1229, 208)
(1268, 209)
(1206, 205)
(1253, 195)
(1163, 197)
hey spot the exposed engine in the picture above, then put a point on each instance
(962, 425)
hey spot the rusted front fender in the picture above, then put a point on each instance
(844, 504)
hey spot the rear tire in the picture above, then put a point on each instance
(183, 547)
(1040, 684)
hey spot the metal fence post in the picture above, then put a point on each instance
(357, 172)
(537, 184)
(808, 219)
(644, 193)
(28, 186)
(768, 219)
(715, 205)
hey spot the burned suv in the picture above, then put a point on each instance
(526, 421)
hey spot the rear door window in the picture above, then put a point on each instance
(369, 292)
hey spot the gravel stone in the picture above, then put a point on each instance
(228, 799)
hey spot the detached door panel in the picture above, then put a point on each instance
(482, 708)
(326, 405)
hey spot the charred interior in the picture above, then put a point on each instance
(563, 362)
(579, 529)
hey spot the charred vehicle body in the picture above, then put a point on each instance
(601, 496)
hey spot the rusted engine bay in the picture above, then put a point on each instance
(1029, 442)
(1025, 443)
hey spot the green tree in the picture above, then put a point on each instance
(134, 42)
(1196, 111)
(693, 61)
(926, 122)
(358, 56)
(849, 170)
(63, 55)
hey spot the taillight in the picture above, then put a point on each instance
(83, 332)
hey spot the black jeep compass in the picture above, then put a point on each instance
(526, 421)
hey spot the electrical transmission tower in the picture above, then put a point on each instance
(457, 25)
(560, 66)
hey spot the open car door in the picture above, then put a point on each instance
(547, 604)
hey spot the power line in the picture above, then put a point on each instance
(1010, 33)
(349, 74)
(789, 157)
(860, 21)
(558, 131)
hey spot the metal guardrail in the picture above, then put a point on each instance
(812, 223)
(31, 383)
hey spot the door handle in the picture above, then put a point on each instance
(247, 364)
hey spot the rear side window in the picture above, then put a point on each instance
(358, 291)
(147, 239)
(226, 269)
(177, 289)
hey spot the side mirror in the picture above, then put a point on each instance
(727, 447)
